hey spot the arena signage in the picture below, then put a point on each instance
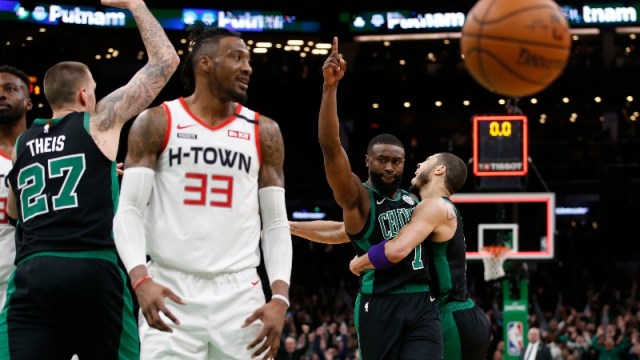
(170, 19)
(400, 21)
(600, 15)
(255, 21)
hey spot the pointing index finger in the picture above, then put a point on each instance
(335, 45)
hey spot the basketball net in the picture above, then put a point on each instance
(493, 258)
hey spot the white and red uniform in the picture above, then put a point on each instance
(7, 232)
(202, 228)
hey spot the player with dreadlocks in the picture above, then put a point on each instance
(203, 190)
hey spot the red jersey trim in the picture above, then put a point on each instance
(257, 133)
(197, 119)
(8, 157)
(167, 131)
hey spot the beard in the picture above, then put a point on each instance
(11, 115)
(385, 187)
(415, 190)
(420, 182)
(239, 97)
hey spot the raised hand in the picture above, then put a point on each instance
(121, 4)
(335, 66)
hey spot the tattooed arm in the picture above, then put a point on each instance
(128, 101)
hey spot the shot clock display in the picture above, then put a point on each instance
(500, 145)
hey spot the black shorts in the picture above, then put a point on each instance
(466, 331)
(398, 327)
(69, 303)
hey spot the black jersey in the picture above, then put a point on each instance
(447, 262)
(386, 217)
(66, 189)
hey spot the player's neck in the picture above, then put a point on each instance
(9, 133)
(433, 190)
(209, 108)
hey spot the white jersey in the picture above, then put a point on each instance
(7, 232)
(203, 215)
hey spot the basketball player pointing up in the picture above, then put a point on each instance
(211, 173)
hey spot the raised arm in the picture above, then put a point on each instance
(276, 240)
(320, 231)
(128, 101)
(348, 190)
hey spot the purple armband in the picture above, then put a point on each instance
(378, 258)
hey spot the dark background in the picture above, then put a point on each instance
(584, 163)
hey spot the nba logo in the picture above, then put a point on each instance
(514, 338)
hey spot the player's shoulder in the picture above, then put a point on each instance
(269, 128)
(433, 207)
(150, 123)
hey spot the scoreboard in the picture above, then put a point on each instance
(500, 145)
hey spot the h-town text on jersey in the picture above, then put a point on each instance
(210, 156)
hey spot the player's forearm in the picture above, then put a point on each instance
(160, 51)
(328, 124)
(320, 231)
(361, 263)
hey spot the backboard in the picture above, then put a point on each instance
(523, 221)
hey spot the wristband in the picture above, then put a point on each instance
(140, 281)
(282, 298)
(378, 258)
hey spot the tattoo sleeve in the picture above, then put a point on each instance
(128, 101)
(272, 149)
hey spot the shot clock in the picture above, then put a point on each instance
(500, 145)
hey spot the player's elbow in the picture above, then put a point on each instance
(395, 254)
(174, 61)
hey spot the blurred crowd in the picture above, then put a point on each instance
(600, 320)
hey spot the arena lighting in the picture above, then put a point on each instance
(396, 37)
(448, 35)
(585, 31)
(628, 30)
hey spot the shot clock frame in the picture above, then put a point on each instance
(500, 145)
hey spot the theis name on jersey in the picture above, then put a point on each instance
(46, 144)
(210, 156)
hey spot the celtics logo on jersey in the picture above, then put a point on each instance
(408, 199)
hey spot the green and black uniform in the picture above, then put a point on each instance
(67, 294)
(396, 316)
(465, 328)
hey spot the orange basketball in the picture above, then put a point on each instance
(515, 47)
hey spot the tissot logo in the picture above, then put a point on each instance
(239, 134)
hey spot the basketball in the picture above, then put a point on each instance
(515, 47)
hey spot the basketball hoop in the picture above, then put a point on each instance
(493, 258)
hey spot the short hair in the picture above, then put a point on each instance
(201, 35)
(456, 171)
(62, 80)
(386, 139)
(17, 73)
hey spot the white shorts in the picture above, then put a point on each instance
(7, 258)
(211, 321)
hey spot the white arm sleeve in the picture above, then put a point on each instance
(128, 225)
(276, 238)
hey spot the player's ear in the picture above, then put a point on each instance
(28, 104)
(83, 97)
(205, 63)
